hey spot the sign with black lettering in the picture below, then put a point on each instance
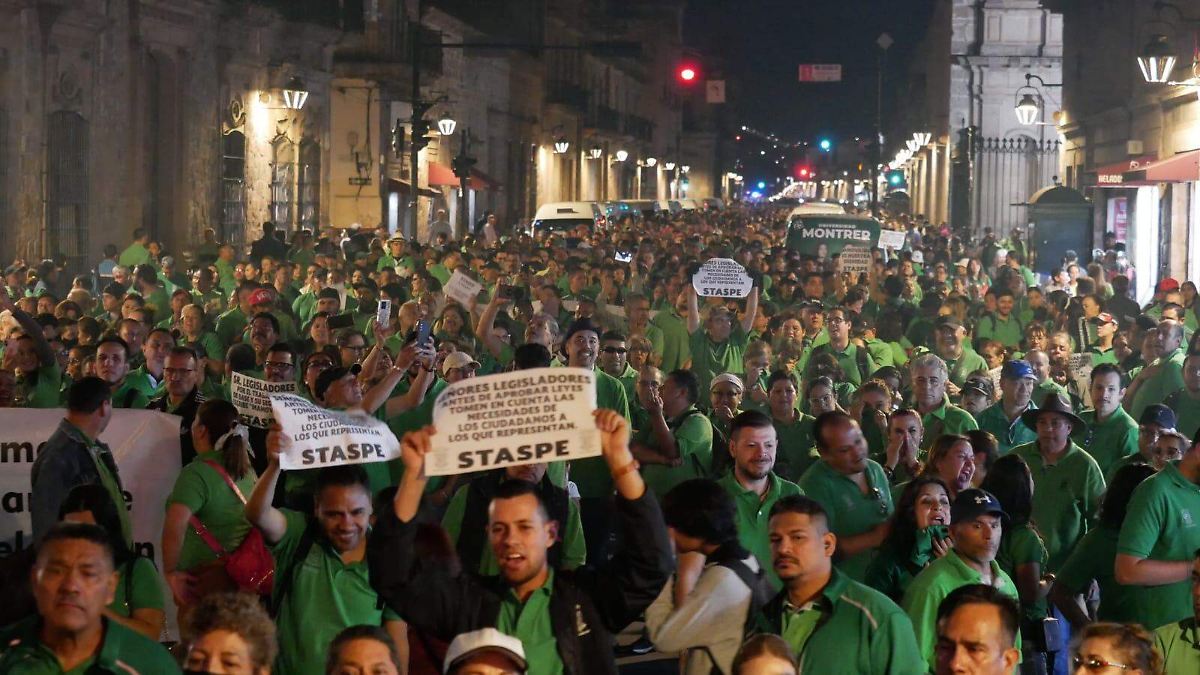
(252, 397)
(722, 278)
(510, 419)
(321, 437)
(823, 236)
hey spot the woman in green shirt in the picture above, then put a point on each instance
(138, 601)
(192, 568)
(918, 536)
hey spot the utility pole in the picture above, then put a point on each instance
(418, 121)
(885, 41)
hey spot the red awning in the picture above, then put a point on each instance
(1182, 168)
(1113, 175)
(404, 188)
(440, 175)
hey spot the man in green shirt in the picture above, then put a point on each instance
(39, 378)
(835, 625)
(322, 585)
(753, 484)
(232, 324)
(1163, 376)
(137, 253)
(1002, 325)
(676, 443)
(852, 488)
(1159, 539)
(112, 365)
(1067, 482)
(74, 579)
(960, 361)
(1179, 642)
(977, 628)
(856, 366)
(614, 360)
(793, 429)
(676, 342)
(1109, 433)
(720, 346)
(1186, 401)
(1003, 419)
(930, 380)
(976, 526)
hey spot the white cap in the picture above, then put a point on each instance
(918, 257)
(466, 645)
(457, 360)
(727, 377)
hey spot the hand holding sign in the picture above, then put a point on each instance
(722, 278)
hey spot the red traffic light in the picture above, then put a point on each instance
(687, 73)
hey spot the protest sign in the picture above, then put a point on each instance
(509, 419)
(145, 445)
(893, 239)
(855, 259)
(1079, 376)
(824, 235)
(722, 278)
(322, 437)
(463, 289)
(252, 398)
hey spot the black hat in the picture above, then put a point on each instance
(972, 503)
(331, 375)
(329, 292)
(114, 289)
(580, 325)
(1053, 403)
(980, 385)
(1157, 413)
(947, 321)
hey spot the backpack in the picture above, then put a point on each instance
(760, 594)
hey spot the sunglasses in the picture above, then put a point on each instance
(1095, 665)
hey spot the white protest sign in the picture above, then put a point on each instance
(321, 437)
(722, 278)
(855, 259)
(145, 445)
(252, 398)
(462, 289)
(509, 419)
(1079, 372)
(893, 239)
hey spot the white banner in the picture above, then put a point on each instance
(145, 445)
(510, 419)
(1079, 372)
(322, 437)
(893, 239)
(855, 259)
(462, 289)
(252, 397)
(722, 278)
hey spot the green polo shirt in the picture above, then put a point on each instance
(131, 393)
(326, 596)
(932, 586)
(796, 448)
(1108, 441)
(849, 630)
(230, 327)
(1022, 545)
(850, 511)
(225, 278)
(713, 358)
(1162, 522)
(591, 475)
(1100, 356)
(574, 549)
(1065, 497)
(1179, 644)
(133, 256)
(1008, 332)
(530, 623)
(46, 389)
(1094, 557)
(948, 419)
(753, 513)
(881, 353)
(676, 341)
(122, 651)
(693, 437)
(1187, 411)
(206, 494)
(139, 586)
(1008, 434)
(1156, 389)
(963, 366)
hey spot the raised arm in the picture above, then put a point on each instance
(259, 511)
(487, 320)
(751, 310)
(32, 328)
(693, 319)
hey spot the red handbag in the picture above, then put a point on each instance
(250, 566)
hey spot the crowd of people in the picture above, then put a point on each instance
(948, 463)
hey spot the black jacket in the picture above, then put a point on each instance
(187, 414)
(587, 606)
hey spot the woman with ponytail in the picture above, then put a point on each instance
(206, 491)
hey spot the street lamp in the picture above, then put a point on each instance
(562, 145)
(596, 152)
(294, 94)
(622, 155)
(1156, 60)
(685, 168)
(1027, 110)
(446, 125)
(669, 166)
(912, 145)
(922, 138)
(650, 161)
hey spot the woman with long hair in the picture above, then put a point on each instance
(454, 325)
(919, 535)
(202, 490)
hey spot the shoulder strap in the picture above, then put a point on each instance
(228, 480)
(285, 579)
(207, 536)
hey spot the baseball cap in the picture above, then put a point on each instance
(1168, 284)
(972, 503)
(331, 375)
(466, 645)
(261, 296)
(979, 385)
(947, 321)
(1157, 413)
(329, 292)
(918, 257)
(1017, 369)
(457, 360)
(1102, 318)
(963, 262)
(727, 377)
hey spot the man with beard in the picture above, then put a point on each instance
(1109, 433)
(264, 333)
(322, 584)
(1186, 401)
(614, 360)
(1003, 419)
(938, 416)
(565, 620)
(852, 488)
(1161, 377)
(752, 481)
(835, 625)
(976, 526)
(181, 397)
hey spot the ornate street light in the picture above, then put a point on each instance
(294, 94)
(685, 168)
(669, 166)
(912, 145)
(446, 125)
(1156, 59)
(922, 138)
(1027, 110)
(562, 145)
(650, 161)
(596, 152)
(622, 155)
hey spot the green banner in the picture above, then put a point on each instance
(824, 235)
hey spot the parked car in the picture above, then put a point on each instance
(560, 216)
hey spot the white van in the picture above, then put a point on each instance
(561, 216)
(690, 204)
(816, 208)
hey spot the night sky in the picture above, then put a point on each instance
(764, 41)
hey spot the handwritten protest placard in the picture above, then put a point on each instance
(321, 437)
(252, 398)
(510, 419)
(893, 239)
(722, 278)
(1079, 374)
(462, 289)
(855, 259)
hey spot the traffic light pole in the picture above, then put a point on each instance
(418, 114)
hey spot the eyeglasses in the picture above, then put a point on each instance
(321, 365)
(354, 348)
(279, 365)
(1095, 665)
(614, 350)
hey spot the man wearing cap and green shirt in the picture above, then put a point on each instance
(1179, 642)
(1158, 542)
(960, 361)
(753, 484)
(1003, 419)
(719, 347)
(977, 523)
(1186, 401)
(1163, 376)
(833, 624)
(1102, 351)
(1157, 421)
(1108, 432)
(938, 415)
(1068, 483)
